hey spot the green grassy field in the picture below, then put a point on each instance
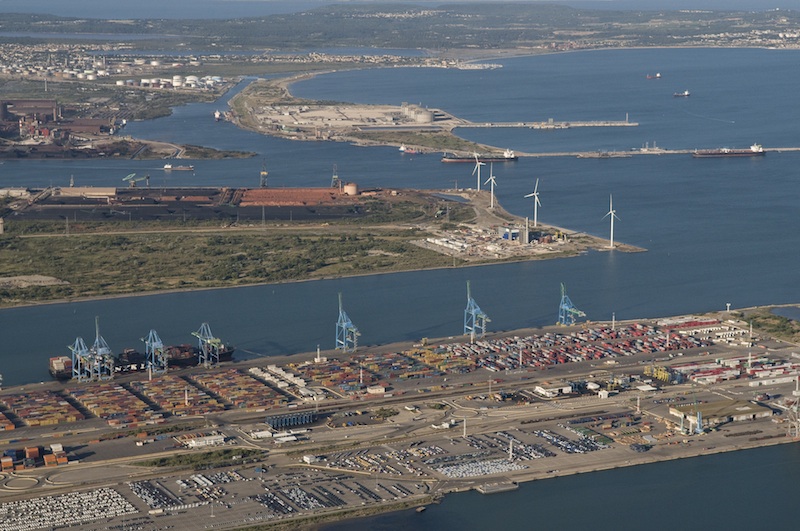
(120, 258)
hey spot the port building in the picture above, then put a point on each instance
(716, 413)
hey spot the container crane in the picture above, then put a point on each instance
(474, 318)
(346, 332)
(567, 312)
(156, 357)
(209, 346)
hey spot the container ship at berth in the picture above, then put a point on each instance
(506, 156)
(131, 360)
(753, 151)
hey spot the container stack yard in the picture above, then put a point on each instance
(241, 391)
(115, 404)
(444, 360)
(392, 365)
(29, 457)
(343, 375)
(41, 408)
(5, 423)
(177, 396)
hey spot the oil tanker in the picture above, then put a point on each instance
(506, 156)
(753, 151)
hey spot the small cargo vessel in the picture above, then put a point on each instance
(755, 150)
(408, 150)
(684, 94)
(170, 167)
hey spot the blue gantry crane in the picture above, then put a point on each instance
(80, 358)
(474, 318)
(346, 332)
(156, 357)
(92, 364)
(567, 312)
(208, 345)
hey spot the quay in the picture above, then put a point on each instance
(495, 488)
(552, 125)
(395, 427)
(633, 152)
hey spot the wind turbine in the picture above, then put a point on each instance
(611, 214)
(491, 181)
(536, 203)
(477, 169)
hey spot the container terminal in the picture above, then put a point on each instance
(389, 427)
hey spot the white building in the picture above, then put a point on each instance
(209, 440)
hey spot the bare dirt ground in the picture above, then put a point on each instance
(26, 281)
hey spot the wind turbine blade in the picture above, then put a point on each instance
(531, 195)
(537, 200)
(536, 188)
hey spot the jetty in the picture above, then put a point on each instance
(552, 124)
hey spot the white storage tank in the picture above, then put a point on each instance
(350, 189)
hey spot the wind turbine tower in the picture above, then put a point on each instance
(536, 203)
(477, 170)
(491, 181)
(346, 332)
(611, 214)
(567, 312)
(474, 318)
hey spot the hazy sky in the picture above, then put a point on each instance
(246, 8)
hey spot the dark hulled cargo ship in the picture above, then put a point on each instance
(131, 360)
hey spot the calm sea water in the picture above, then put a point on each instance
(750, 489)
(716, 231)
